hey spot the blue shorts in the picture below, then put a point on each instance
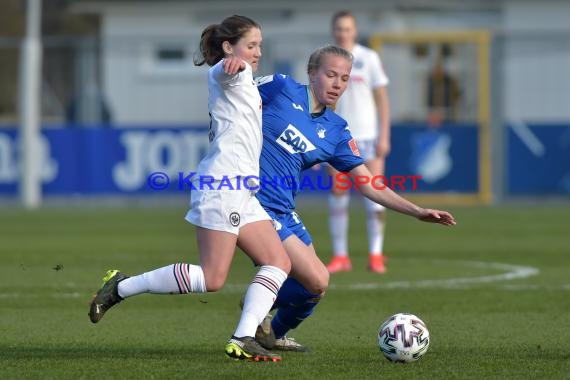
(289, 224)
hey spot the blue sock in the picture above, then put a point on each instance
(295, 304)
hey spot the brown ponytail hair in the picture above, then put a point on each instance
(231, 29)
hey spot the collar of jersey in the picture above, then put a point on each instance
(310, 103)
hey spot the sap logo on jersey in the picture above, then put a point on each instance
(294, 141)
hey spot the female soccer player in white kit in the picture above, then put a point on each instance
(228, 217)
(365, 107)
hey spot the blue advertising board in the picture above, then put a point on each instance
(119, 161)
(538, 159)
(105, 161)
(430, 161)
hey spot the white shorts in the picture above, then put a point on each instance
(224, 210)
(367, 148)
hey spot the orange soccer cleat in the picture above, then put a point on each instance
(339, 264)
(376, 263)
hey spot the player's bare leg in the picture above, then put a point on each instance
(216, 254)
(306, 266)
(260, 242)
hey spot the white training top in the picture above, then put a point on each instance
(234, 104)
(357, 105)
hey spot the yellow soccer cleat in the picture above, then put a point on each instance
(247, 348)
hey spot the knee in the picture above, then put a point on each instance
(322, 283)
(278, 259)
(214, 283)
(319, 283)
(282, 262)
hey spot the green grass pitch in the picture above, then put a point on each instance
(493, 291)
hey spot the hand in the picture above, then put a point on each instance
(383, 148)
(437, 216)
(316, 167)
(233, 65)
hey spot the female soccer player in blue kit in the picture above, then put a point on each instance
(299, 131)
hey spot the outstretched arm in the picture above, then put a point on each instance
(233, 65)
(389, 199)
(227, 68)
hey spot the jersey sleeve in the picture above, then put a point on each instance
(269, 86)
(347, 155)
(219, 75)
(377, 74)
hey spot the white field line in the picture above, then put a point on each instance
(510, 272)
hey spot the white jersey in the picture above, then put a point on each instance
(357, 105)
(235, 125)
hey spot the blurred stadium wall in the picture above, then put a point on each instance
(119, 85)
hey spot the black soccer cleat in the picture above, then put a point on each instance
(107, 296)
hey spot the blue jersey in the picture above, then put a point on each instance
(294, 140)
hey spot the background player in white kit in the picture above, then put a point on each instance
(223, 218)
(365, 106)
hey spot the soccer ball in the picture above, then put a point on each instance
(403, 338)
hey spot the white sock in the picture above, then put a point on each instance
(259, 298)
(172, 279)
(375, 227)
(338, 223)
